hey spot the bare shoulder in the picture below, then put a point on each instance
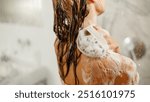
(128, 73)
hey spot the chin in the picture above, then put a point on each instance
(99, 12)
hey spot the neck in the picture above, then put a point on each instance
(91, 18)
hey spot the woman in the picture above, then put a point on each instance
(80, 60)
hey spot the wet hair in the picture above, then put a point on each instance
(68, 18)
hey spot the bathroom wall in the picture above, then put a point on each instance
(26, 47)
(130, 18)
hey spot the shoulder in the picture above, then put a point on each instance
(128, 73)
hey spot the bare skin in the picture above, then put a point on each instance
(102, 71)
(96, 9)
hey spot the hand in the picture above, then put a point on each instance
(111, 43)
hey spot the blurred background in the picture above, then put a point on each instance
(26, 42)
(26, 38)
